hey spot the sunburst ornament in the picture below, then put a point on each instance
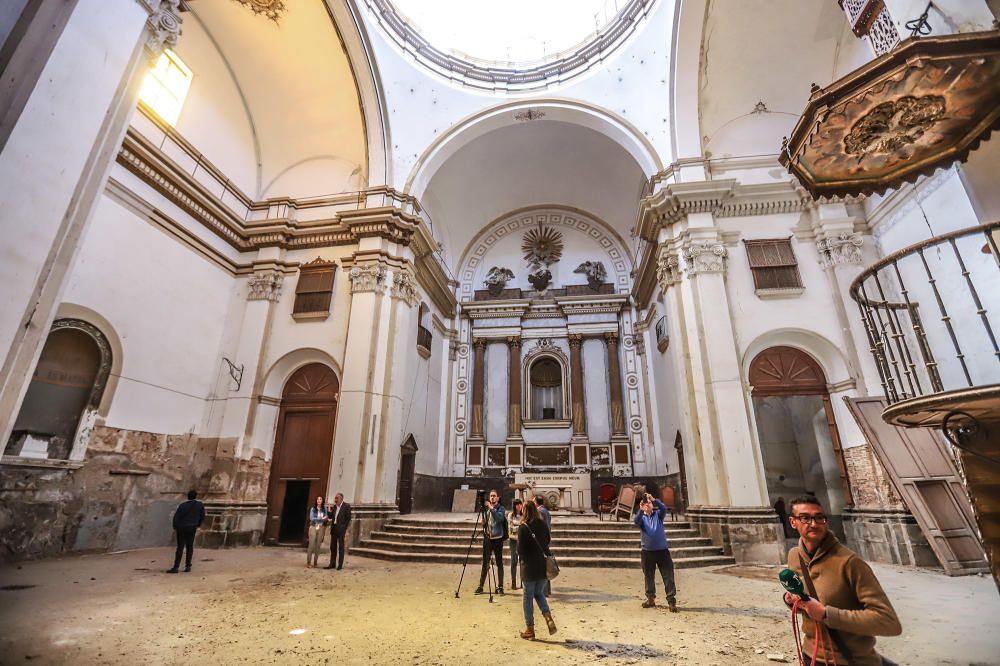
(542, 246)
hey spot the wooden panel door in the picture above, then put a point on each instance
(925, 475)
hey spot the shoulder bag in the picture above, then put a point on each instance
(551, 566)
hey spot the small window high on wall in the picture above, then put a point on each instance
(166, 86)
(314, 291)
(773, 265)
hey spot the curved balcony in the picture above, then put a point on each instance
(424, 340)
(931, 312)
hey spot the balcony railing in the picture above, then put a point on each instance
(931, 312)
(424, 339)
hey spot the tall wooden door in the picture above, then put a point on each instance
(924, 473)
(407, 469)
(303, 448)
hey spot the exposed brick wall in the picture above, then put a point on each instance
(870, 485)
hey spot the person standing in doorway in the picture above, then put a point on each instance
(317, 531)
(845, 596)
(187, 519)
(532, 547)
(339, 516)
(513, 523)
(655, 554)
(546, 517)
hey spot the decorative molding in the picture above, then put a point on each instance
(104, 348)
(668, 269)
(163, 26)
(780, 292)
(704, 257)
(265, 286)
(845, 248)
(404, 287)
(271, 9)
(368, 278)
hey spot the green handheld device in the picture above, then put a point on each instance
(791, 582)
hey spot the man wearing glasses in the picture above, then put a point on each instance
(845, 596)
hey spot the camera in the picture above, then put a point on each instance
(480, 500)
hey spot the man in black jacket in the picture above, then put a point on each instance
(340, 516)
(187, 519)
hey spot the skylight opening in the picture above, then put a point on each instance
(166, 87)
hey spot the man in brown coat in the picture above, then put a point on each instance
(848, 599)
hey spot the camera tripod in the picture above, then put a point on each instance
(480, 526)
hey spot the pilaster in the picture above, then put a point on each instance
(514, 390)
(576, 388)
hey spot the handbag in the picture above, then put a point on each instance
(551, 566)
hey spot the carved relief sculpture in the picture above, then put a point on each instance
(844, 249)
(497, 279)
(272, 9)
(668, 270)
(404, 287)
(705, 257)
(542, 247)
(368, 278)
(595, 272)
(163, 27)
(265, 286)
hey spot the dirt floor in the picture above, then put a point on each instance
(261, 605)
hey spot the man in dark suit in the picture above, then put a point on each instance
(187, 519)
(340, 517)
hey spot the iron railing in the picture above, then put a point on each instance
(930, 312)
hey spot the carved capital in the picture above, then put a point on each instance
(479, 343)
(668, 269)
(611, 339)
(404, 287)
(163, 27)
(368, 278)
(704, 257)
(575, 340)
(514, 342)
(265, 286)
(844, 248)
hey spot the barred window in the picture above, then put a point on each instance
(314, 291)
(773, 264)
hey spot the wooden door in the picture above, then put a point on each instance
(407, 469)
(925, 475)
(303, 444)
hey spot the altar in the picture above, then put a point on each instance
(562, 492)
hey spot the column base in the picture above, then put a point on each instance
(229, 524)
(367, 518)
(891, 536)
(749, 534)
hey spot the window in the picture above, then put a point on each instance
(773, 264)
(166, 86)
(314, 291)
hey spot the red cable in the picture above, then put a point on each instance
(818, 639)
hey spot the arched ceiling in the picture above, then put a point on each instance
(529, 164)
(299, 92)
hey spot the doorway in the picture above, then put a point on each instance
(800, 445)
(407, 470)
(303, 448)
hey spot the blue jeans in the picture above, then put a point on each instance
(533, 590)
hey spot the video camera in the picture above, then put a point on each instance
(481, 500)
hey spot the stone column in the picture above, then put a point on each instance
(478, 389)
(514, 390)
(576, 386)
(615, 381)
(83, 120)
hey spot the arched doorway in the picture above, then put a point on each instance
(800, 446)
(69, 379)
(407, 470)
(303, 446)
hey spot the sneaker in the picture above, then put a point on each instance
(479, 590)
(500, 591)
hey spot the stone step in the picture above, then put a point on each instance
(564, 561)
(560, 549)
(587, 540)
(557, 532)
(557, 523)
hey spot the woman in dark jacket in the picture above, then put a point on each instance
(532, 545)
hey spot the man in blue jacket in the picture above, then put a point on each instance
(187, 519)
(494, 534)
(655, 555)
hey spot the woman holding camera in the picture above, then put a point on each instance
(532, 546)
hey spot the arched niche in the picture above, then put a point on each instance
(65, 391)
(546, 386)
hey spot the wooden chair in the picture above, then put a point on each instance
(625, 504)
(606, 496)
(668, 495)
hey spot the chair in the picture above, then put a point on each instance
(625, 504)
(606, 496)
(668, 495)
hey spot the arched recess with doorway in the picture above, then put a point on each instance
(407, 470)
(67, 385)
(303, 446)
(797, 432)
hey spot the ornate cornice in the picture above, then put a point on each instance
(844, 248)
(561, 306)
(163, 26)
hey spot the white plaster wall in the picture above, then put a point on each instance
(496, 392)
(595, 389)
(421, 106)
(215, 118)
(167, 305)
(51, 141)
(424, 409)
(665, 384)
